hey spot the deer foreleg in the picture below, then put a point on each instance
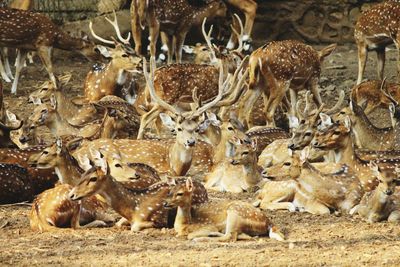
(275, 98)
(136, 29)
(20, 64)
(3, 72)
(380, 54)
(7, 63)
(179, 39)
(362, 59)
(315, 91)
(45, 56)
(153, 35)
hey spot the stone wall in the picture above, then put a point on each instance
(315, 21)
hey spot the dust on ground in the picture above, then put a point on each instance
(312, 240)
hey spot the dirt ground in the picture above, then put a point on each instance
(311, 240)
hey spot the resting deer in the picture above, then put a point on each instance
(142, 210)
(373, 94)
(54, 209)
(279, 67)
(173, 21)
(17, 32)
(314, 191)
(109, 79)
(237, 173)
(337, 138)
(16, 184)
(383, 202)
(228, 221)
(375, 29)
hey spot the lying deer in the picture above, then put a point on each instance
(174, 22)
(228, 221)
(382, 203)
(375, 29)
(109, 79)
(54, 209)
(314, 191)
(142, 210)
(17, 32)
(280, 66)
(16, 184)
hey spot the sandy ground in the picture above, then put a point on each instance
(311, 240)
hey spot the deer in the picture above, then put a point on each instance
(174, 22)
(15, 184)
(228, 221)
(141, 210)
(109, 79)
(382, 203)
(373, 94)
(375, 29)
(54, 209)
(299, 68)
(237, 173)
(337, 138)
(18, 33)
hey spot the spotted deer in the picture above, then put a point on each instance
(15, 184)
(239, 172)
(29, 31)
(141, 210)
(375, 29)
(316, 192)
(383, 202)
(337, 138)
(373, 94)
(109, 79)
(54, 209)
(227, 220)
(174, 18)
(279, 67)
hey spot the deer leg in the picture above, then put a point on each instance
(179, 39)
(380, 54)
(146, 119)
(315, 91)
(362, 59)
(246, 104)
(293, 102)
(136, 33)
(7, 63)
(45, 56)
(96, 223)
(138, 226)
(275, 98)
(170, 47)
(278, 206)
(20, 64)
(76, 216)
(3, 72)
(153, 35)
(310, 205)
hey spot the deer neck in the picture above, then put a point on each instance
(67, 169)
(118, 75)
(65, 106)
(368, 134)
(183, 218)
(58, 126)
(345, 154)
(66, 42)
(222, 150)
(251, 174)
(119, 198)
(180, 158)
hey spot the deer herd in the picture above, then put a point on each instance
(151, 140)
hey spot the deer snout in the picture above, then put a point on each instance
(234, 162)
(166, 204)
(23, 139)
(190, 143)
(291, 146)
(266, 175)
(72, 195)
(388, 192)
(315, 143)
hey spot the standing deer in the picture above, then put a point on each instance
(173, 17)
(29, 31)
(228, 221)
(279, 67)
(375, 29)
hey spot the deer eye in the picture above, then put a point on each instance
(92, 179)
(125, 55)
(336, 132)
(245, 153)
(44, 89)
(118, 165)
(287, 164)
(179, 194)
(45, 152)
(342, 112)
(303, 121)
(32, 127)
(230, 128)
(179, 129)
(307, 134)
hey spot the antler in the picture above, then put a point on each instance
(239, 35)
(207, 37)
(114, 23)
(150, 84)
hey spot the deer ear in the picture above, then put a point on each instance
(171, 181)
(53, 101)
(188, 49)
(167, 121)
(58, 145)
(11, 116)
(189, 184)
(325, 120)
(84, 162)
(304, 154)
(36, 100)
(293, 122)
(102, 50)
(347, 123)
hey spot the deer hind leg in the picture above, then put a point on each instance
(275, 98)
(45, 56)
(138, 226)
(310, 205)
(3, 72)
(146, 119)
(136, 30)
(20, 65)
(246, 104)
(315, 91)
(179, 39)
(7, 67)
(153, 35)
(362, 59)
(293, 102)
(380, 54)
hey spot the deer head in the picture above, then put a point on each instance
(180, 195)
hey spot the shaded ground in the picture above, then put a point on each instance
(312, 240)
